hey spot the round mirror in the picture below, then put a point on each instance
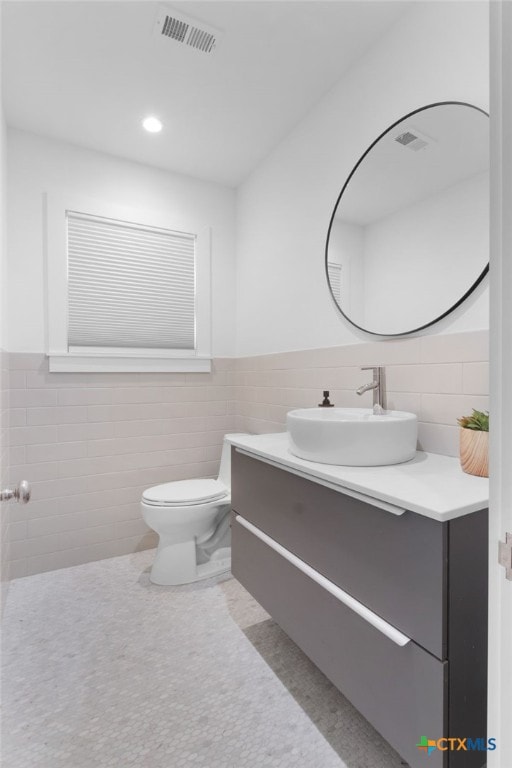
(408, 239)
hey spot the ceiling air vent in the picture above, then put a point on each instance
(413, 139)
(171, 25)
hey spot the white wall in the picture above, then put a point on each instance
(436, 52)
(425, 256)
(37, 165)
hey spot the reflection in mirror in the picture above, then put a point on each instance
(408, 239)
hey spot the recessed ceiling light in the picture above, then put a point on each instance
(152, 124)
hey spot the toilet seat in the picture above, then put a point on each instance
(184, 493)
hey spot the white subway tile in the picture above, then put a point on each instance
(404, 401)
(203, 394)
(47, 470)
(58, 415)
(49, 489)
(17, 569)
(88, 396)
(44, 379)
(204, 380)
(131, 528)
(438, 438)
(260, 427)
(122, 512)
(386, 352)
(455, 347)
(137, 395)
(30, 398)
(136, 444)
(290, 398)
(16, 379)
(47, 526)
(150, 394)
(80, 432)
(137, 543)
(55, 452)
(222, 364)
(55, 560)
(201, 439)
(17, 417)
(36, 546)
(151, 411)
(91, 467)
(82, 520)
(118, 547)
(86, 536)
(445, 378)
(108, 413)
(17, 531)
(32, 435)
(147, 476)
(143, 428)
(181, 426)
(36, 508)
(476, 378)
(16, 454)
(94, 467)
(446, 409)
(95, 501)
(23, 361)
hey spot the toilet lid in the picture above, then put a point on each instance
(183, 492)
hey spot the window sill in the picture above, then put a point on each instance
(112, 364)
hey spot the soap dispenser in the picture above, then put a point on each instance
(326, 403)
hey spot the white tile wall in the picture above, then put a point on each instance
(91, 443)
(437, 377)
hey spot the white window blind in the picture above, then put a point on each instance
(129, 285)
(334, 272)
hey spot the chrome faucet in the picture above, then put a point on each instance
(378, 387)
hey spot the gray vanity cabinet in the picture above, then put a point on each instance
(425, 578)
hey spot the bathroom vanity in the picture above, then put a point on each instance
(379, 574)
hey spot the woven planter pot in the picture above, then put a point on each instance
(474, 452)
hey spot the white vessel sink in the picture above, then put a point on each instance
(352, 436)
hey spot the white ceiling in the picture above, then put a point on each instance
(393, 177)
(88, 72)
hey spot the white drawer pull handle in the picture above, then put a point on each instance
(372, 618)
(319, 480)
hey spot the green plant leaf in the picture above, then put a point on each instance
(479, 421)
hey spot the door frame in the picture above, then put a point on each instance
(500, 518)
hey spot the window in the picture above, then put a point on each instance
(129, 286)
(124, 292)
(334, 272)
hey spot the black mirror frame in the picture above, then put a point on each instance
(354, 169)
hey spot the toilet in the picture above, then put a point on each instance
(191, 518)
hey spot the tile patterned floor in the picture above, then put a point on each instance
(102, 668)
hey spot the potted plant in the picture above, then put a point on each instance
(474, 443)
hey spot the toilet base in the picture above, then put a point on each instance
(176, 564)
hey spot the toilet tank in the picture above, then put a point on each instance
(225, 461)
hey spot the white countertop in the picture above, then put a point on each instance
(430, 484)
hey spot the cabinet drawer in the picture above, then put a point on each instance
(394, 564)
(399, 688)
